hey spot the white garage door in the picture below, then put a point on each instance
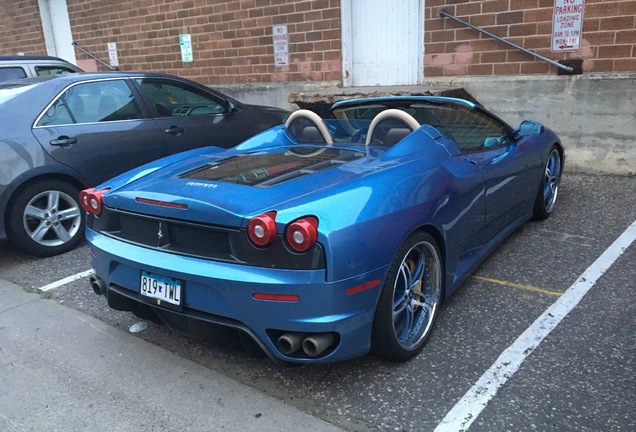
(382, 42)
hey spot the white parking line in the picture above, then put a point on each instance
(469, 407)
(66, 280)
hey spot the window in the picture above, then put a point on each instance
(56, 114)
(172, 98)
(52, 70)
(472, 130)
(11, 73)
(93, 102)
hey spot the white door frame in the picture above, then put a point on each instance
(346, 19)
(56, 26)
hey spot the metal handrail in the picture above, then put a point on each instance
(93, 56)
(444, 14)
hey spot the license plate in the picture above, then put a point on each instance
(160, 288)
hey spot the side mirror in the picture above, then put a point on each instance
(492, 142)
(231, 107)
(529, 128)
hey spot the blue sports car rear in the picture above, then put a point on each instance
(319, 240)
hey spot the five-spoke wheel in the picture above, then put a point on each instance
(46, 219)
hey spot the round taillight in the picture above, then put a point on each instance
(83, 198)
(302, 234)
(92, 201)
(261, 230)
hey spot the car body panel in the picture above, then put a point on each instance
(367, 199)
(90, 140)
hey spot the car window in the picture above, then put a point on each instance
(472, 130)
(11, 73)
(174, 99)
(93, 102)
(56, 114)
(52, 70)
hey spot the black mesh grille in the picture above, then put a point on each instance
(200, 240)
(180, 237)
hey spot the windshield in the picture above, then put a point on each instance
(468, 127)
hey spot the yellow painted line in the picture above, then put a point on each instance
(514, 285)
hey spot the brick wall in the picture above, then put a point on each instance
(231, 39)
(21, 28)
(608, 43)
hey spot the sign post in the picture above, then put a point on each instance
(567, 25)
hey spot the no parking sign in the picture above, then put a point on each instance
(567, 25)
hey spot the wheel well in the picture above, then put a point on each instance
(561, 152)
(439, 239)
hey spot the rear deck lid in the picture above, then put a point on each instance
(225, 191)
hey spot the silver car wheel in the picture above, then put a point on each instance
(551, 180)
(52, 218)
(410, 299)
(416, 295)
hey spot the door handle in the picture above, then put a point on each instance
(173, 130)
(63, 141)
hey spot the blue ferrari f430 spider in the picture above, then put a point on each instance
(322, 239)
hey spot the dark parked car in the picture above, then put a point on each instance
(17, 67)
(348, 233)
(62, 134)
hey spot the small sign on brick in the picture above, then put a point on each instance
(185, 42)
(567, 25)
(113, 60)
(281, 45)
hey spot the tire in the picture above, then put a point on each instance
(45, 218)
(404, 317)
(549, 188)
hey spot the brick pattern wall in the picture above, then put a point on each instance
(231, 39)
(21, 28)
(608, 43)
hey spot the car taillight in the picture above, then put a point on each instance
(302, 234)
(261, 230)
(92, 201)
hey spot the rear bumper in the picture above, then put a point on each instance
(223, 294)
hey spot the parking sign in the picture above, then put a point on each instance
(567, 25)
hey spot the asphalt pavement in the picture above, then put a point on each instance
(62, 370)
(580, 378)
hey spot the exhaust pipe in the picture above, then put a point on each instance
(316, 344)
(97, 284)
(290, 342)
